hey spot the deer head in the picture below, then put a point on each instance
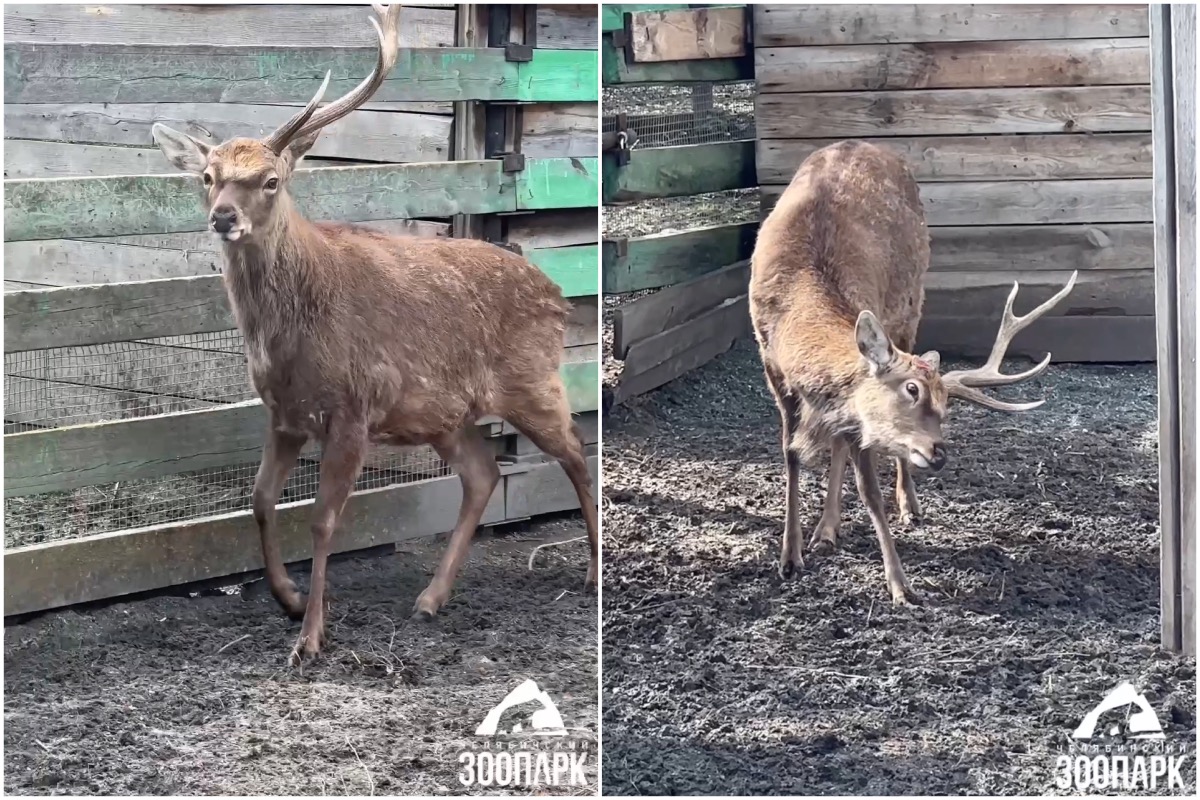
(900, 405)
(245, 180)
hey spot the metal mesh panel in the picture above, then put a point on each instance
(663, 116)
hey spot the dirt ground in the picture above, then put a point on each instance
(1037, 560)
(192, 695)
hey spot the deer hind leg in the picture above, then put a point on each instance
(906, 495)
(278, 461)
(791, 550)
(866, 472)
(341, 461)
(545, 419)
(825, 537)
(475, 462)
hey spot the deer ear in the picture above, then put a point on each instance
(873, 342)
(933, 359)
(184, 152)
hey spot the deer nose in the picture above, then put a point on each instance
(939, 457)
(223, 218)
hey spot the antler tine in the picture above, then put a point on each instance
(287, 131)
(964, 384)
(389, 49)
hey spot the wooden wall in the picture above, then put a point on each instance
(1029, 129)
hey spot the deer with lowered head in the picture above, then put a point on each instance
(355, 337)
(836, 290)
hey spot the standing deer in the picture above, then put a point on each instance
(836, 290)
(353, 336)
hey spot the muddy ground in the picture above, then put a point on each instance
(191, 695)
(1038, 562)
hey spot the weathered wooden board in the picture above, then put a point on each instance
(24, 158)
(554, 228)
(148, 447)
(707, 348)
(616, 70)
(1046, 247)
(583, 326)
(650, 262)
(655, 313)
(966, 112)
(556, 130)
(1069, 339)
(120, 73)
(546, 490)
(575, 269)
(826, 24)
(363, 135)
(728, 320)
(86, 207)
(1027, 202)
(567, 27)
(685, 34)
(956, 158)
(680, 171)
(952, 65)
(221, 25)
(1104, 293)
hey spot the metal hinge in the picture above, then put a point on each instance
(518, 52)
(511, 162)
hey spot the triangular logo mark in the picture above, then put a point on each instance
(1142, 723)
(546, 721)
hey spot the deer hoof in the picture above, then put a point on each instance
(591, 580)
(307, 648)
(790, 565)
(910, 519)
(426, 607)
(905, 595)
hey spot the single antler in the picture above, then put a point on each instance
(965, 383)
(309, 120)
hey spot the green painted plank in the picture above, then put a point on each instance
(680, 171)
(572, 268)
(558, 183)
(61, 459)
(612, 17)
(127, 205)
(651, 262)
(617, 71)
(91, 73)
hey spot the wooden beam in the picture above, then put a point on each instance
(998, 248)
(560, 228)
(952, 65)
(660, 311)
(1069, 339)
(617, 71)
(574, 269)
(650, 262)
(567, 27)
(83, 455)
(120, 73)
(556, 130)
(86, 207)
(683, 34)
(680, 171)
(947, 112)
(990, 158)
(824, 24)
(708, 345)
(1099, 293)
(728, 320)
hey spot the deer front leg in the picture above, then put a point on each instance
(341, 461)
(468, 453)
(825, 537)
(867, 476)
(906, 495)
(278, 461)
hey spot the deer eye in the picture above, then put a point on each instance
(272, 184)
(914, 391)
(208, 179)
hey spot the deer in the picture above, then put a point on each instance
(354, 337)
(836, 294)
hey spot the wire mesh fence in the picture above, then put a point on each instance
(663, 116)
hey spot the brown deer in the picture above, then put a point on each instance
(836, 290)
(353, 337)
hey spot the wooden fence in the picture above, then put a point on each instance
(119, 345)
(700, 308)
(1029, 130)
(1173, 37)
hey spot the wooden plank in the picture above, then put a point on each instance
(707, 349)
(583, 326)
(617, 71)
(658, 312)
(556, 130)
(791, 25)
(967, 112)
(121, 73)
(686, 34)
(567, 27)
(575, 269)
(223, 25)
(956, 158)
(1027, 202)
(87, 207)
(31, 159)
(168, 444)
(363, 135)
(679, 171)
(1108, 293)
(546, 490)
(650, 262)
(1044, 247)
(1069, 339)
(553, 228)
(728, 320)
(953, 65)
